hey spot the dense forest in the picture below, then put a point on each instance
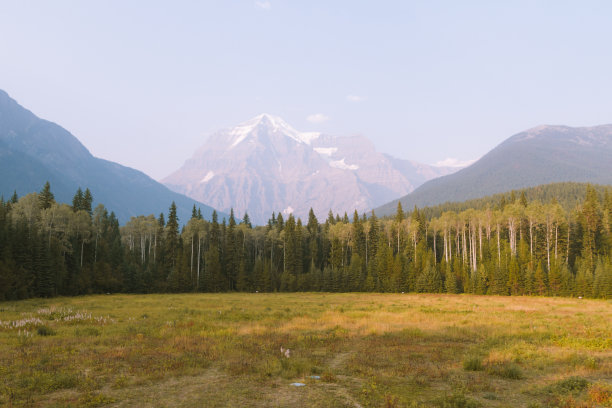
(509, 245)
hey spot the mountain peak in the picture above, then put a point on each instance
(596, 135)
(271, 124)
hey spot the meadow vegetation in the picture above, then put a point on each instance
(350, 350)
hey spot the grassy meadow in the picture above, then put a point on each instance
(350, 350)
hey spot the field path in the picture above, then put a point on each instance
(343, 393)
(336, 364)
(339, 360)
(175, 391)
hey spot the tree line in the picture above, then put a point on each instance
(516, 246)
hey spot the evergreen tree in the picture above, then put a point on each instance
(247, 221)
(171, 238)
(45, 197)
(540, 280)
(77, 200)
(591, 221)
(86, 204)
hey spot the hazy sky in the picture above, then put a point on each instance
(144, 82)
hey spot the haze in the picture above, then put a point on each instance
(144, 83)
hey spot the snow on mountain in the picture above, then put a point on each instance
(340, 164)
(270, 123)
(264, 165)
(208, 177)
(326, 151)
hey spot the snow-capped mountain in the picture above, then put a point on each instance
(264, 165)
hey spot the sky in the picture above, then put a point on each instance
(143, 83)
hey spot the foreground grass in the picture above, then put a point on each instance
(359, 350)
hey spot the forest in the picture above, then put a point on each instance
(510, 245)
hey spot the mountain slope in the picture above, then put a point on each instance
(264, 165)
(33, 150)
(542, 155)
(568, 194)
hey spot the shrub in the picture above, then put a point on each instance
(45, 331)
(472, 364)
(506, 370)
(571, 385)
(87, 331)
(456, 400)
(601, 394)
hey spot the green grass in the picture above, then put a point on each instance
(368, 350)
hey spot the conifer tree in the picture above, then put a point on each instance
(171, 237)
(592, 225)
(540, 280)
(77, 200)
(45, 197)
(246, 220)
(86, 204)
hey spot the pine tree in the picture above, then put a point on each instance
(555, 279)
(87, 202)
(450, 280)
(584, 279)
(540, 280)
(77, 200)
(515, 286)
(171, 237)
(246, 220)
(45, 197)
(313, 239)
(591, 221)
(330, 218)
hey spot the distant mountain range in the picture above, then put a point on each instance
(544, 154)
(264, 165)
(33, 151)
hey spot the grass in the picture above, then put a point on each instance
(355, 350)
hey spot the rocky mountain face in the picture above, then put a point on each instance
(542, 155)
(33, 151)
(264, 165)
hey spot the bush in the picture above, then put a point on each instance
(45, 331)
(87, 331)
(506, 370)
(601, 394)
(456, 400)
(571, 385)
(472, 364)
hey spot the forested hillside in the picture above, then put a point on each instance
(541, 155)
(515, 246)
(568, 195)
(34, 150)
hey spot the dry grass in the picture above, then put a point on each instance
(367, 350)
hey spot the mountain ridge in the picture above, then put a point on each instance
(540, 155)
(35, 150)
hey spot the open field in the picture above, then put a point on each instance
(369, 350)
